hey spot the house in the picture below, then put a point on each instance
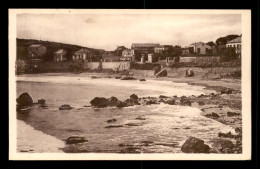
(83, 55)
(60, 55)
(119, 50)
(200, 48)
(159, 49)
(128, 55)
(36, 51)
(144, 48)
(237, 44)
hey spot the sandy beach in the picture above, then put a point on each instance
(34, 141)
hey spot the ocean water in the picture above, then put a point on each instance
(164, 130)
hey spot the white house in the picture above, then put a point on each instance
(200, 47)
(60, 55)
(128, 55)
(237, 44)
(83, 55)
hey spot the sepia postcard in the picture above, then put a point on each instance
(136, 84)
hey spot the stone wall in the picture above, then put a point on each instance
(119, 66)
(215, 72)
(201, 59)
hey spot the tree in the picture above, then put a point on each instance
(211, 43)
(224, 40)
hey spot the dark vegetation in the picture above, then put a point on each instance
(23, 44)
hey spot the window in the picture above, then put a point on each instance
(198, 50)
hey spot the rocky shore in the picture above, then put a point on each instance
(223, 106)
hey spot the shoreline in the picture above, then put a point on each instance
(209, 105)
(31, 140)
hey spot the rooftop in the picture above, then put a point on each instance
(236, 40)
(83, 50)
(61, 51)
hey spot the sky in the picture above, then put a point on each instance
(107, 31)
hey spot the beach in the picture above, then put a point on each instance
(34, 141)
(138, 129)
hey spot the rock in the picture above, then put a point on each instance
(142, 80)
(185, 101)
(225, 135)
(224, 145)
(118, 77)
(41, 101)
(133, 124)
(195, 145)
(75, 140)
(131, 102)
(226, 91)
(149, 102)
(231, 114)
(170, 102)
(163, 97)
(65, 107)
(140, 118)
(112, 101)
(114, 126)
(128, 78)
(111, 120)
(134, 97)
(121, 104)
(99, 102)
(24, 100)
(212, 115)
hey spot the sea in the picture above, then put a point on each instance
(162, 129)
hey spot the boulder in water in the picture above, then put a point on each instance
(112, 101)
(65, 107)
(131, 102)
(111, 120)
(170, 102)
(121, 104)
(195, 145)
(75, 140)
(99, 102)
(24, 100)
(134, 97)
(185, 101)
(128, 78)
(231, 114)
(41, 101)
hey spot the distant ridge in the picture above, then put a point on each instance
(23, 44)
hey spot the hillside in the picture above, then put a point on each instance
(23, 44)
